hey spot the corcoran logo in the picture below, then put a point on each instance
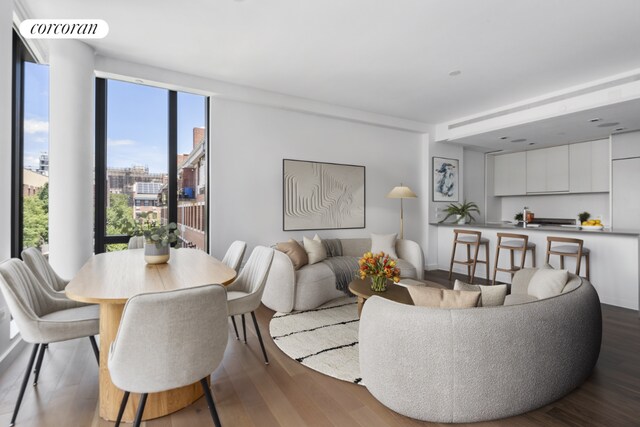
(64, 29)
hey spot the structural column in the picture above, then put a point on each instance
(71, 155)
(6, 20)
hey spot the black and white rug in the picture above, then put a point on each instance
(324, 339)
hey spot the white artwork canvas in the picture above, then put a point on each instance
(445, 179)
(322, 195)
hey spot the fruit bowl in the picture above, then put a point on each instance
(592, 227)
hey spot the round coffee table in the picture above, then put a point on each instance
(398, 293)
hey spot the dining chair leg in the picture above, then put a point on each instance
(32, 359)
(255, 324)
(143, 402)
(36, 371)
(235, 327)
(244, 329)
(212, 405)
(123, 405)
(94, 346)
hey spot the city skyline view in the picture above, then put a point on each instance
(137, 126)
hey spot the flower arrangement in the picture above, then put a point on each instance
(380, 267)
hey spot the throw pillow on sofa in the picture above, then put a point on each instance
(315, 249)
(443, 298)
(490, 296)
(384, 243)
(547, 283)
(295, 252)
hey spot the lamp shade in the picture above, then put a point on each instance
(401, 192)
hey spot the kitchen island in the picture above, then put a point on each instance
(614, 264)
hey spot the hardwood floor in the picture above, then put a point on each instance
(285, 393)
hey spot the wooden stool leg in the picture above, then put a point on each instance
(578, 261)
(524, 257)
(511, 259)
(468, 262)
(562, 262)
(475, 262)
(546, 261)
(486, 254)
(586, 259)
(453, 256)
(495, 265)
(533, 257)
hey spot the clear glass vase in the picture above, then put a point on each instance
(378, 283)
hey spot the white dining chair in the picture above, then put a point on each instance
(233, 258)
(136, 242)
(245, 293)
(40, 267)
(43, 317)
(168, 340)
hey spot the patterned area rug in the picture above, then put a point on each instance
(324, 339)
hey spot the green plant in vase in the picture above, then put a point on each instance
(461, 211)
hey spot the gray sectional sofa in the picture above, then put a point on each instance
(313, 285)
(479, 364)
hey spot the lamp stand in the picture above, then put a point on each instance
(401, 221)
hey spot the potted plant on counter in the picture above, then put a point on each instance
(461, 211)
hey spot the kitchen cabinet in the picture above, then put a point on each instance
(625, 193)
(589, 167)
(548, 170)
(510, 178)
(625, 145)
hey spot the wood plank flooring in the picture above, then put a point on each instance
(285, 393)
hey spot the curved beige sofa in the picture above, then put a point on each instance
(479, 364)
(313, 285)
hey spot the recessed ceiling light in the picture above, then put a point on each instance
(139, 81)
(608, 125)
(519, 140)
(619, 129)
(532, 143)
(455, 73)
(504, 137)
(596, 119)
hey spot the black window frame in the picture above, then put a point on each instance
(101, 239)
(20, 55)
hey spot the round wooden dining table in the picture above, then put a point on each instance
(110, 279)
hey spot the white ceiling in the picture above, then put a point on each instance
(390, 57)
(565, 129)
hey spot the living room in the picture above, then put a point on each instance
(436, 132)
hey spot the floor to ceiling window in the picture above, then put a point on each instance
(30, 152)
(151, 163)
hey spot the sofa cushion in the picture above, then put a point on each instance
(547, 283)
(490, 296)
(315, 249)
(295, 252)
(406, 268)
(514, 299)
(573, 283)
(384, 243)
(443, 298)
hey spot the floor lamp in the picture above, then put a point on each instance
(401, 192)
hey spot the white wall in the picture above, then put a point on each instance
(248, 143)
(558, 206)
(474, 181)
(450, 151)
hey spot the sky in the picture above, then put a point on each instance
(136, 121)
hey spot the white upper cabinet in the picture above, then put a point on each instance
(548, 170)
(589, 167)
(625, 145)
(510, 178)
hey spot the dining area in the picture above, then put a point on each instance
(157, 331)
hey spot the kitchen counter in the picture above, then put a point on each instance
(614, 257)
(543, 228)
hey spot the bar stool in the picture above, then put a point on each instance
(517, 242)
(574, 248)
(470, 238)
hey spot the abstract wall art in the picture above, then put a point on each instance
(319, 196)
(445, 179)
